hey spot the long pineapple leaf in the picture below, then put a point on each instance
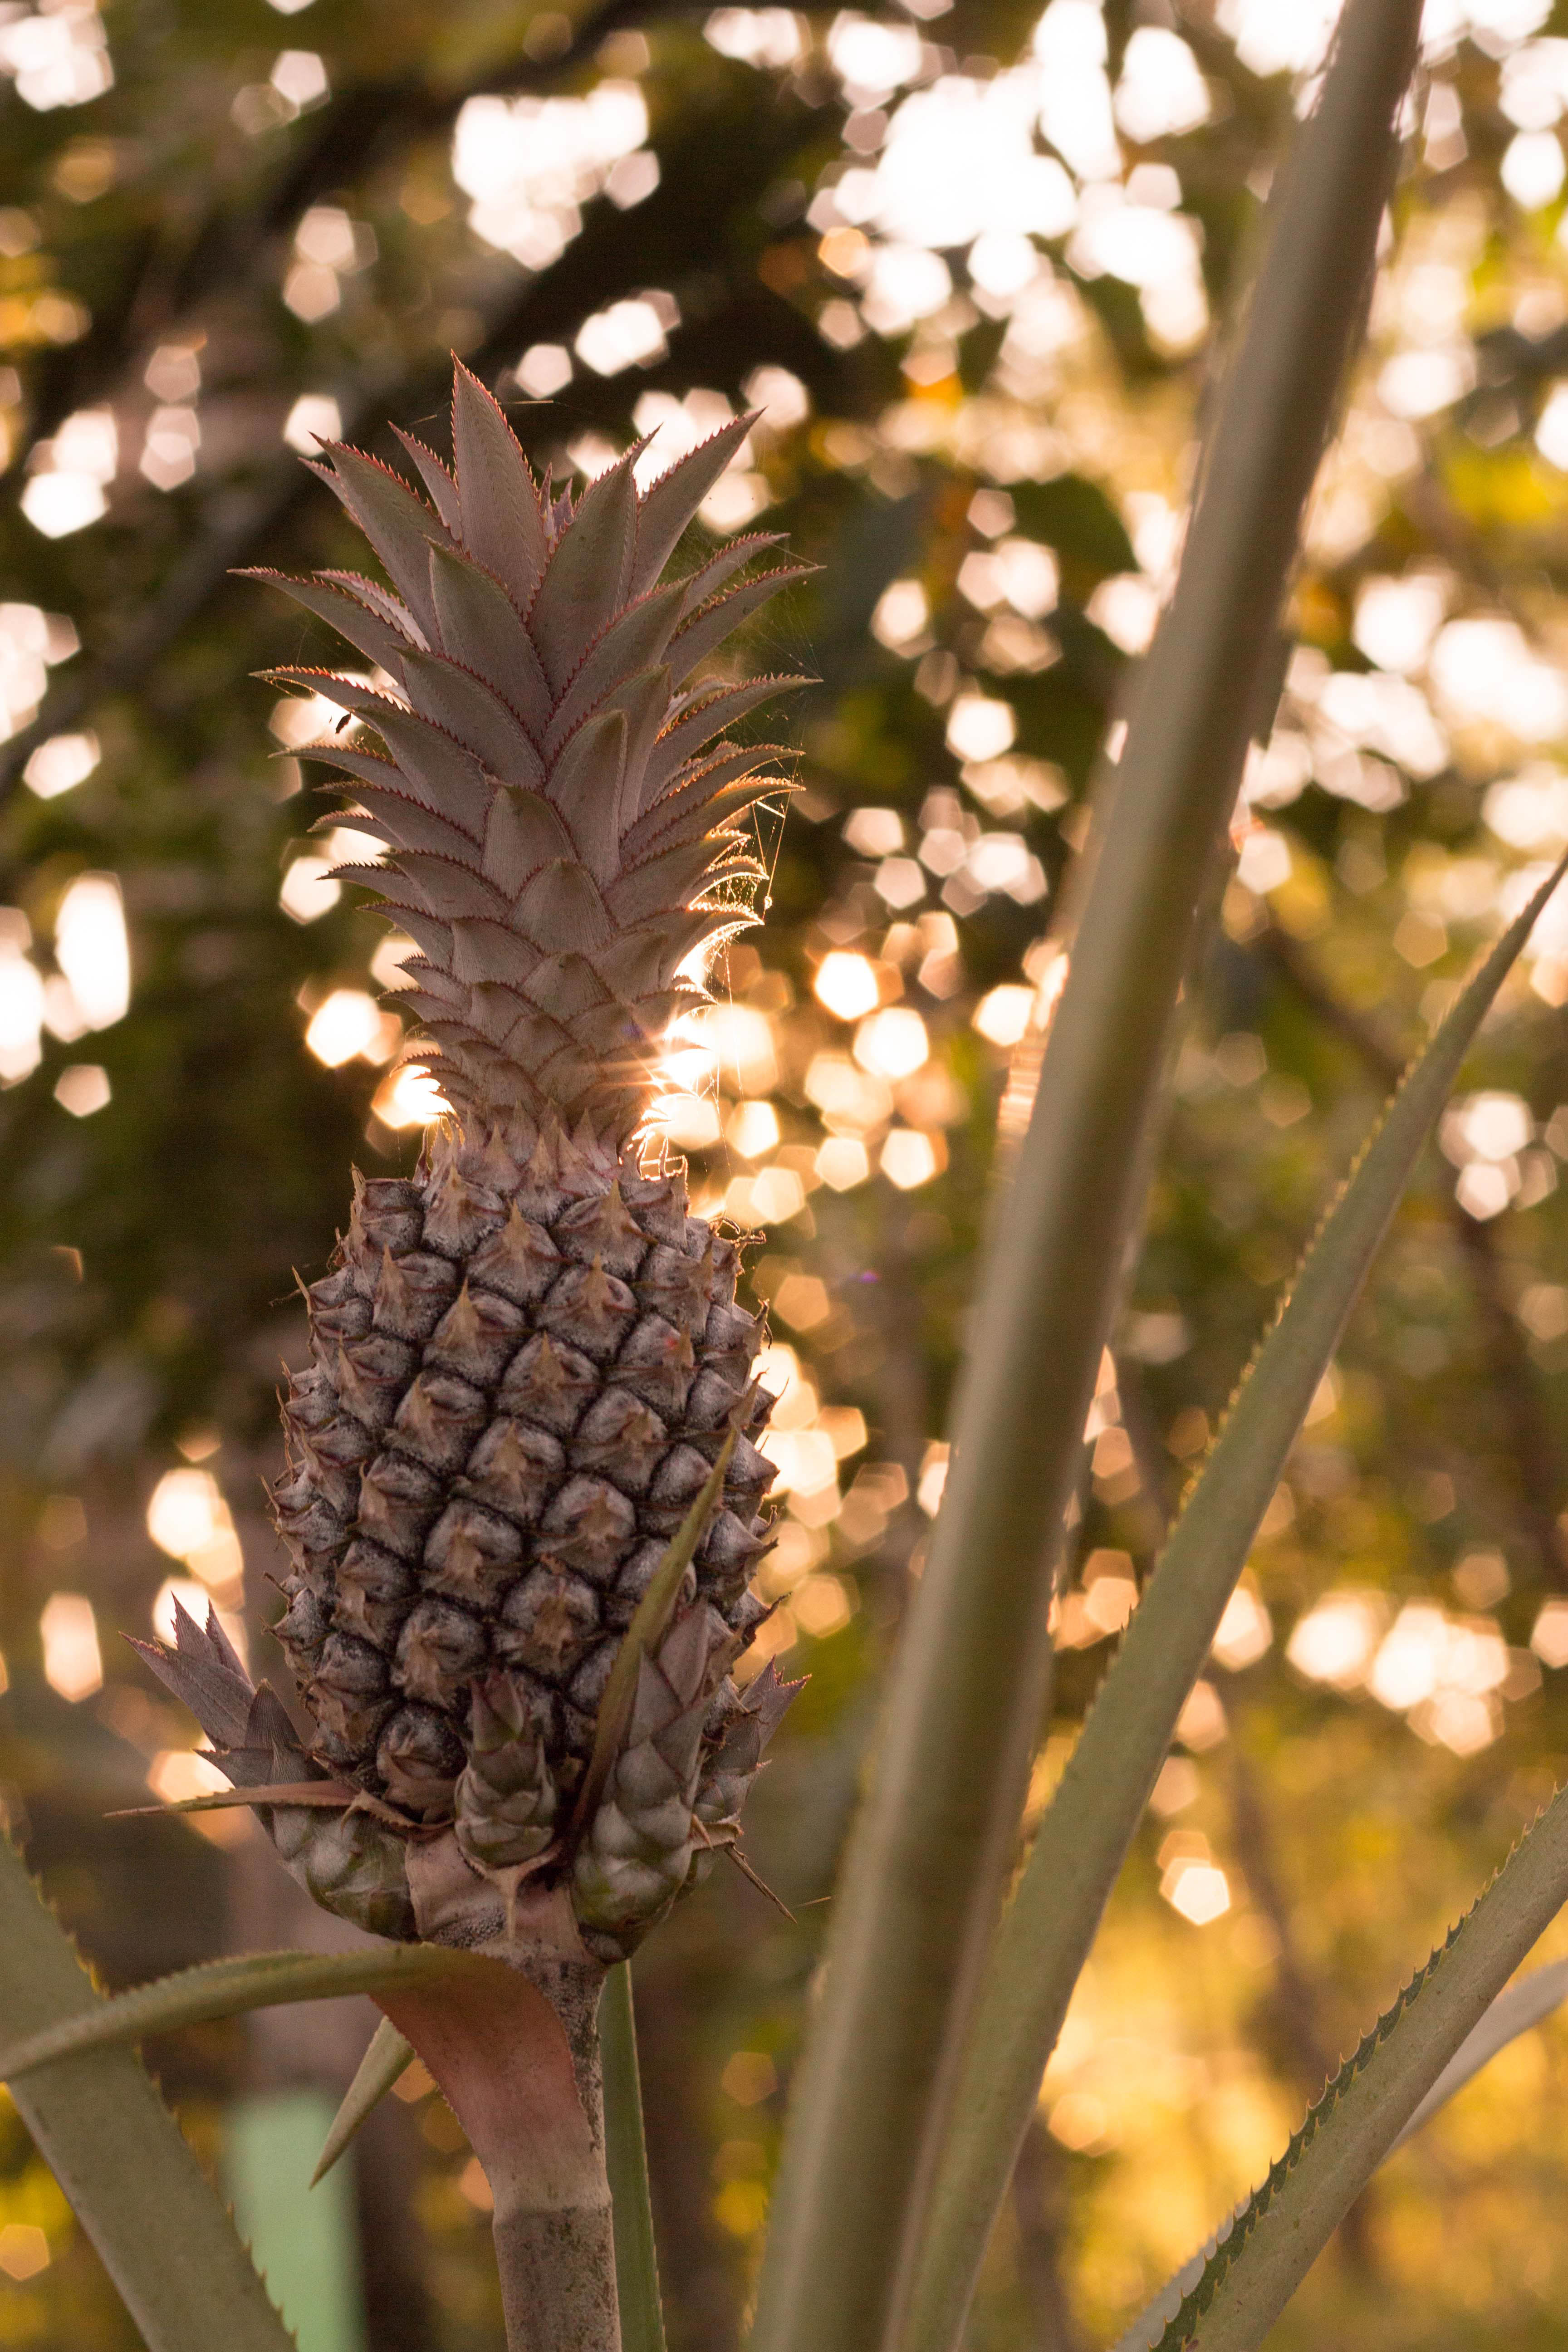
(228, 1989)
(1274, 2241)
(118, 2154)
(386, 2060)
(1083, 1837)
(923, 1879)
(626, 2149)
(1515, 2011)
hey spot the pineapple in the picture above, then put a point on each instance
(526, 1357)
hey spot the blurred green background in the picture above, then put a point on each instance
(964, 258)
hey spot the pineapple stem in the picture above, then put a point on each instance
(519, 2062)
(558, 2280)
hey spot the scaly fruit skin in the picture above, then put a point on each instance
(525, 1359)
(520, 1379)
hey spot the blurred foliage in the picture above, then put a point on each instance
(982, 353)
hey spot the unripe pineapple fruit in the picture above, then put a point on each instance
(526, 1359)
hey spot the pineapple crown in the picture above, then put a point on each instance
(565, 838)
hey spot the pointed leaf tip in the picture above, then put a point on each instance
(668, 504)
(503, 522)
(386, 2060)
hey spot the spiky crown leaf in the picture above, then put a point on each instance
(562, 830)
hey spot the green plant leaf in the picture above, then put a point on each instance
(386, 2060)
(625, 2151)
(1273, 2241)
(1515, 2011)
(922, 1877)
(228, 1989)
(1083, 1837)
(119, 2155)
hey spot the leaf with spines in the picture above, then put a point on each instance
(708, 627)
(398, 525)
(232, 1988)
(1045, 1936)
(505, 520)
(632, 643)
(398, 819)
(480, 625)
(586, 579)
(1273, 2240)
(368, 631)
(1522, 2004)
(119, 2155)
(532, 651)
(380, 599)
(437, 477)
(457, 700)
(723, 564)
(675, 498)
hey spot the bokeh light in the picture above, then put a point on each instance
(188, 1519)
(93, 951)
(847, 984)
(73, 1662)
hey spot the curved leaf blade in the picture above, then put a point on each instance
(1083, 1837)
(386, 2060)
(1366, 2109)
(118, 2154)
(1515, 2011)
(228, 1989)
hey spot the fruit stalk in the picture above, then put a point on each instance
(518, 2061)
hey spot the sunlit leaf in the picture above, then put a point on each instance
(1087, 1828)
